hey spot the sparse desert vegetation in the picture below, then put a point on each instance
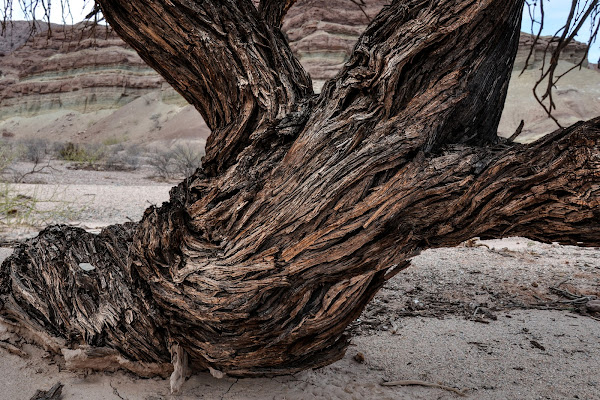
(7, 155)
(35, 209)
(39, 179)
(166, 161)
(29, 209)
(34, 150)
(177, 161)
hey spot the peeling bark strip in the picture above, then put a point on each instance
(55, 393)
(306, 206)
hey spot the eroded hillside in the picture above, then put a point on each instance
(81, 84)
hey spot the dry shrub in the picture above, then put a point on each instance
(90, 155)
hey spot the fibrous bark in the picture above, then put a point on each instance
(273, 11)
(54, 393)
(306, 206)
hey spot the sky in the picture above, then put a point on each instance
(79, 9)
(556, 12)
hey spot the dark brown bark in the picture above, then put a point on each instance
(258, 263)
(54, 393)
(273, 11)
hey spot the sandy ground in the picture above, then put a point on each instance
(85, 198)
(492, 318)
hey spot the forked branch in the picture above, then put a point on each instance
(220, 57)
(258, 267)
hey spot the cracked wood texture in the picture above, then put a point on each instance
(306, 205)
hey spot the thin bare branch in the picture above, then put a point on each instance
(580, 12)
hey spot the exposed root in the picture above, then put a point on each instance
(179, 359)
(105, 359)
(14, 319)
(12, 349)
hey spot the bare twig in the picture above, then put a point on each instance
(566, 293)
(116, 392)
(13, 349)
(579, 13)
(36, 169)
(360, 4)
(517, 132)
(562, 282)
(10, 242)
(426, 384)
(539, 33)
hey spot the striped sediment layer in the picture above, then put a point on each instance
(90, 70)
(80, 68)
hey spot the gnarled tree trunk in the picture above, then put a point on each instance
(305, 204)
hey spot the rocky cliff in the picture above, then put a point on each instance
(84, 83)
(75, 67)
(81, 83)
(322, 33)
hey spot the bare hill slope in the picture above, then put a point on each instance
(80, 86)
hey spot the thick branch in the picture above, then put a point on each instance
(273, 11)
(547, 191)
(374, 117)
(418, 51)
(283, 306)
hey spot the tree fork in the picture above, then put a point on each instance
(238, 72)
(258, 263)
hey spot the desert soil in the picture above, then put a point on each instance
(501, 319)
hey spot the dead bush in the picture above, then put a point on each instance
(90, 154)
(186, 159)
(122, 160)
(161, 160)
(34, 150)
(8, 155)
